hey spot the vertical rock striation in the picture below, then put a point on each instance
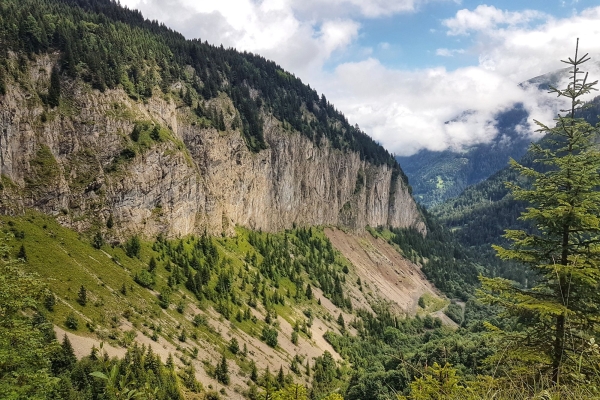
(78, 162)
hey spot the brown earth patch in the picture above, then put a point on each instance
(384, 273)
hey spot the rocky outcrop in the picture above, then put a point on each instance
(78, 162)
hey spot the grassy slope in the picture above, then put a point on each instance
(66, 260)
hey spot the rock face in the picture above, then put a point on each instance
(78, 162)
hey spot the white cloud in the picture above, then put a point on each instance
(268, 27)
(443, 52)
(486, 17)
(367, 8)
(407, 111)
(403, 110)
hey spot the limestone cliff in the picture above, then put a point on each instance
(79, 162)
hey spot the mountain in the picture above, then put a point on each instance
(107, 116)
(158, 203)
(437, 176)
(480, 214)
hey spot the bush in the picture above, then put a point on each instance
(72, 322)
(269, 335)
(132, 247)
(455, 313)
(144, 279)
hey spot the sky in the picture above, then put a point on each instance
(413, 74)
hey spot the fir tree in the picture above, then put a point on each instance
(54, 90)
(49, 301)
(82, 296)
(234, 346)
(22, 254)
(109, 222)
(280, 378)
(222, 371)
(152, 265)
(64, 359)
(253, 371)
(98, 240)
(560, 313)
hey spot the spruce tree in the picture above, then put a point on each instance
(553, 321)
(222, 371)
(22, 254)
(82, 296)
(54, 90)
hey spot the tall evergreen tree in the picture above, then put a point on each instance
(54, 90)
(554, 320)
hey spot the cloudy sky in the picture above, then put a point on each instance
(402, 69)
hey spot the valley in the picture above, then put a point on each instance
(180, 220)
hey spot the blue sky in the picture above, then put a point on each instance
(401, 69)
(411, 39)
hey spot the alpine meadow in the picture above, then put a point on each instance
(187, 220)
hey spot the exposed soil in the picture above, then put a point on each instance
(384, 273)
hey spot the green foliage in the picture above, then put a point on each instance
(454, 312)
(54, 90)
(82, 296)
(25, 343)
(222, 371)
(234, 346)
(144, 278)
(22, 254)
(438, 383)
(445, 262)
(554, 318)
(64, 359)
(72, 322)
(269, 335)
(132, 247)
(98, 240)
(49, 301)
(44, 170)
(139, 374)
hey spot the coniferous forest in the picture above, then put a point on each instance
(518, 320)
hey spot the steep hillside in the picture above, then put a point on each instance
(193, 297)
(174, 136)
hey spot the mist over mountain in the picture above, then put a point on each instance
(438, 176)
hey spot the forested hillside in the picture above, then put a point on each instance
(479, 216)
(138, 170)
(107, 45)
(128, 120)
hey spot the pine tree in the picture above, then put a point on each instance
(152, 265)
(280, 378)
(253, 371)
(222, 371)
(98, 240)
(560, 313)
(22, 254)
(82, 296)
(54, 90)
(64, 359)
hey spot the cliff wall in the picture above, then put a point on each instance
(78, 161)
